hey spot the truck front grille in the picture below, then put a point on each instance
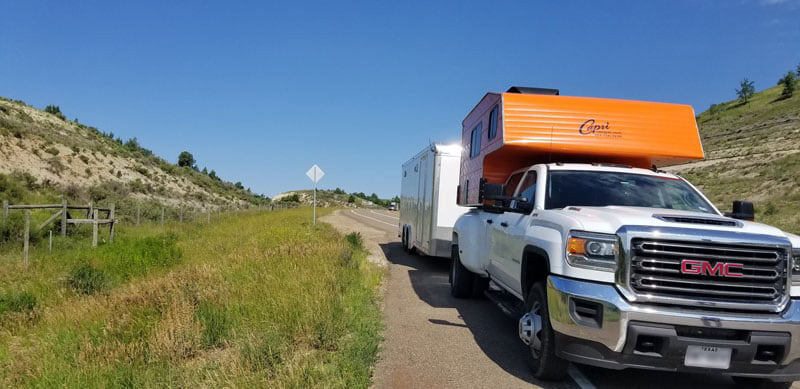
(695, 271)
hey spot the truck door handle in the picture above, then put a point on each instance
(503, 224)
(489, 221)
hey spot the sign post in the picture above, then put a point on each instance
(315, 174)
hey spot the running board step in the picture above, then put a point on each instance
(507, 303)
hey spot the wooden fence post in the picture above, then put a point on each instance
(89, 212)
(180, 214)
(27, 237)
(51, 242)
(138, 213)
(5, 209)
(208, 216)
(111, 214)
(94, 228)
(162, 216)
(63, 216)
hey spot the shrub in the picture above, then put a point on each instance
(355, 240)
(17, 302)
(185, 159)
(788, 82)
(51, 150)
(84, 158)
(85, 279)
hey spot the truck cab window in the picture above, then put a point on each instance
(511, 184)
(528, 187)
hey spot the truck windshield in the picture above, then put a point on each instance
(599, 189)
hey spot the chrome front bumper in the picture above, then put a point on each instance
(618, 313)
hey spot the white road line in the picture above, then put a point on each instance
(579, 378)
(372, 218)
(384, 215)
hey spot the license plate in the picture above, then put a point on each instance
(709, 357)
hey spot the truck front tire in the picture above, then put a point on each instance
(462, 281)
(545, 364)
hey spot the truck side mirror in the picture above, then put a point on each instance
(491, 191)
(742, 210)
(524, 206)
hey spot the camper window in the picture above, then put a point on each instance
(493, 122)
(475, 145)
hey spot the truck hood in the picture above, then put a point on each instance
(610, 219)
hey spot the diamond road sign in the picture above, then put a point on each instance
(315, 173)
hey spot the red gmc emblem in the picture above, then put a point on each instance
(719, 269)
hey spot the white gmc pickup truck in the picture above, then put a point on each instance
(621, 267)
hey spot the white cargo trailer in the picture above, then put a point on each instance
(428, 206)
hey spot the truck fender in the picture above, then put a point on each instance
(535, 267)
(474, 247)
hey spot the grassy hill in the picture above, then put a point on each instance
(752, 153)
(43, 156)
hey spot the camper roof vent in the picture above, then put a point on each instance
(525, 90)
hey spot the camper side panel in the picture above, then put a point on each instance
(479, 139)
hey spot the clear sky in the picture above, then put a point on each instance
(259, 91)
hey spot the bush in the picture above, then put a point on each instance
(355, 240)
(17, 302)
(84, 158)
(85, 279)
(185, 159)
(51, 150)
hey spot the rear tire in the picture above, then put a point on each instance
(545, 364)
(462, 281)
(760, 383)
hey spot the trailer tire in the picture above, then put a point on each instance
(545, 364)
(462, 281)
(404, 239)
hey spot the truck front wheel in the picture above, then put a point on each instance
(462, 281)
(545, 364)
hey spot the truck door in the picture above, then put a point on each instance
(498, 241)
(508, 239)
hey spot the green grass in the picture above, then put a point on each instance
(756, 146)
(262, 299)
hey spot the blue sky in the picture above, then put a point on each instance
(259, 91)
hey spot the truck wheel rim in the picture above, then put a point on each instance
(536, 329)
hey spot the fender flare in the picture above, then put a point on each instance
(530, 264)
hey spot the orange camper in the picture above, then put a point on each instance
(525, 126)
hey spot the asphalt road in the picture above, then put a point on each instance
(434, 340)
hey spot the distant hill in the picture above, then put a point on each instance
(44, 155)
(752, 153)
(329, 198)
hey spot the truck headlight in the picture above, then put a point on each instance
(592, 250)
(795, 263)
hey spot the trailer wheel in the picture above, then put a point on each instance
(545, 364)
(462, 281)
